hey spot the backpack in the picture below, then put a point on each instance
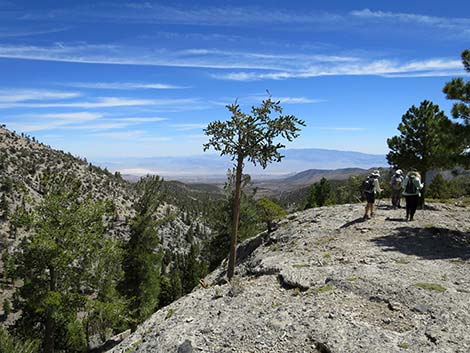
(368, 185)
(411, 187)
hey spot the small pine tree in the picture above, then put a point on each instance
(6, 307)
(4, 207)
(250, 137)
(269, 212)
(321, 194)
(439, 188)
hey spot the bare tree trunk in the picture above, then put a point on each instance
(236, 218)
(49, 336)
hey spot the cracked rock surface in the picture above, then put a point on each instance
(326, 281)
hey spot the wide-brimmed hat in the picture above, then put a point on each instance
(375, 173)
(399, 172)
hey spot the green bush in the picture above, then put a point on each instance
(9, 344)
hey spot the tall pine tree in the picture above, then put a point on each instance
(426, 141)
(60, 265)
(459, 90)
(142, 260)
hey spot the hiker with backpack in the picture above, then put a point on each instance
(396, 188)
(371, 187)
(412, 192)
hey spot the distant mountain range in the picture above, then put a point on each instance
(310, 176)
(207, 166)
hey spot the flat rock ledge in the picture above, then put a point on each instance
(328, 282)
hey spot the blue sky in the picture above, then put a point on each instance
(142, 78)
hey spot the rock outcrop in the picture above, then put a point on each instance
(326, 281)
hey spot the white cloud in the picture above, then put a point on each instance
(196, 58)
(101, 126)
(14, 96)
(428, 74)
(105, 102)
(120, 134)
(142, 120)
(187, 14)
(258, 98)
(9, 33)
(123, 85)
(252, 65)
(410, 17)
(458, 26)
(52, 121)
(28, 126)
(71, 117)
(297, 100)
(134, 135)
(186, 127)
(431, 67)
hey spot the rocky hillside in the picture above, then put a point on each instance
(326, 281)
(27, 166)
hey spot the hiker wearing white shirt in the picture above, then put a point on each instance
(396, 188)
(412, 192)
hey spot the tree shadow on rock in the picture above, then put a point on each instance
(390, 219)
(351, 223)
(429, 243)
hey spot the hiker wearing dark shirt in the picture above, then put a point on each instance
(412, 192)
(371, 188)
(395, 187)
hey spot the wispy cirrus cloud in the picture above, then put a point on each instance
(387, 68)
(134, 135)
(123, 85)
(146, 119)
(14, 33)
(189, 14)
(253, 65)
(187, 127)
(298, 100)
(103, 102)
(120, 134)
(15, 96)
(194, 58)
(258, 98)
(69, 117)
(439, 22)
(447, 27)
(152, 12)
(87, 121)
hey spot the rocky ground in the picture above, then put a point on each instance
(326, 281)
